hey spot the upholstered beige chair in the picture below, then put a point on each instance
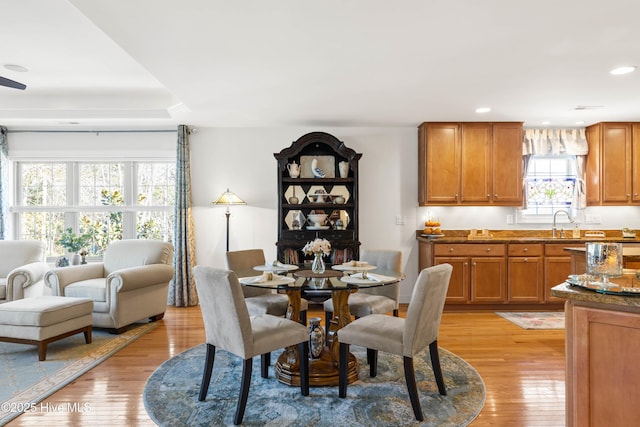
(131, 284)
(22, 269)
(260, 301)
(378, 300)
(404, 337)
(228, 327)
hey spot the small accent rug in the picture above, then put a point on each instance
(535, 319)
(171, 394)
(26, 380)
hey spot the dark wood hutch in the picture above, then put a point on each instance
(324, 190)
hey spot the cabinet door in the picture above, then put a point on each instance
(556, 271)
(507, 164)
(635, 164)
(488, 279)
(475, 161)
(458, 292)
(525, 278)
(616, 163)
(593, 135)
(440, 155)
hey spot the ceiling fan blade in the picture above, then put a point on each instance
(11, 83)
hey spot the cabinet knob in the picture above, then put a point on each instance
(488, 249)
(525, 249)
(488, 196)
(526, 260)
(455, 196)
(450, 249)
(495, 195)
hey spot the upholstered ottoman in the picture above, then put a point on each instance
(45, 319)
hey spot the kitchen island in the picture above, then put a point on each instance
(602, 353)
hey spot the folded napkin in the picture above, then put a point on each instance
(278, 264)
(355, 263)
(266, 277)
(374, 277)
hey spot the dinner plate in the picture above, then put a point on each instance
(348, 267)
(318, 227)
(270, 284)
(279, 267)
(359, 281)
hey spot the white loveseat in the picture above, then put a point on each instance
(22, 269)
(131, 284)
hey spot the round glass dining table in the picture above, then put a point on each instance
(337, 284)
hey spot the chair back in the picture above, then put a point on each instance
(242, 263)
(226, 319)
(16, 253)
(425, 308)
(384, 258)
(129, 253)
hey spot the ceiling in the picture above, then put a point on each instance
(255, 63)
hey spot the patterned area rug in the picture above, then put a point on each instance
(171, 394)
(534, 319)
(25, 380)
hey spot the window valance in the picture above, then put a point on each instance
(545, 142)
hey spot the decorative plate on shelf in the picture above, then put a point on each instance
(432, 236)
(326, 163)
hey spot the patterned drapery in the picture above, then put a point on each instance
(4, 180)
(182, 289)
(551, 142)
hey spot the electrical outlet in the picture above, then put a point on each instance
(401, 220)
(593, 219)
(509, 219)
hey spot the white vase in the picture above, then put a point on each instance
(76, 259)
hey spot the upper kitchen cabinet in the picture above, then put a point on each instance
(613, 174)
(470, 164)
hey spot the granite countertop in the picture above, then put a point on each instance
(575, 293)
(523, 236)
(627, 252)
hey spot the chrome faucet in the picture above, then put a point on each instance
(553, 229)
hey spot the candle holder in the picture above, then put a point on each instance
(604, 260)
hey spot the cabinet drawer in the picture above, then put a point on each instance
(557, 249)
(468, 249)
(525, 249)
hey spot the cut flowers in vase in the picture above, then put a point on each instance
(72, 242)
(316, 246)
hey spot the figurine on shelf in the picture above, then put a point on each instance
(317, 172)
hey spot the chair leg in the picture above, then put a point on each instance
(372, 359)
(208, 368)
(395, 313)
(265, 361)
(303, 351)
(410, 377)
(303, 317)
(244, 390)
(435, 364)
(342, 370)
(327, 321)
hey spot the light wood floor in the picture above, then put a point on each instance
(523, 371)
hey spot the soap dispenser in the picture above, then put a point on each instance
(576, 232)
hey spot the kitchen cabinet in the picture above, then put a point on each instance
(305, 192)
(479, 272)
(525, 269)
(557, 267)
(613, 174)
(471, 164)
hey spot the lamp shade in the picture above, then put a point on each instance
(229, 198)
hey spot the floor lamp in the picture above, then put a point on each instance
(228, 198)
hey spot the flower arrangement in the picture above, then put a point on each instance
(72, 242)
(316, 246)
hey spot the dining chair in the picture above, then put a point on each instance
(229, 327)
(402, 336)
(377, 300)
(260, 301)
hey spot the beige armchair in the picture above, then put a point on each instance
(22, 269)
(130, 284)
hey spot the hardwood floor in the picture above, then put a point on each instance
(523, 371)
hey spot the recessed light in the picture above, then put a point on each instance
(546, 122)
(622, 70)
(15, 67)
(483, 110)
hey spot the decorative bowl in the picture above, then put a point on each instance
(317, 219)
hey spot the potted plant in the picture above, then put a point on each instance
(74, 243)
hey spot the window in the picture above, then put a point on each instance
(108, 201)
(551, 183)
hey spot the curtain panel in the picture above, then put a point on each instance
(182, 289)
(556, 142)
(4, 181)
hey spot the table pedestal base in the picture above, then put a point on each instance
(322, 371)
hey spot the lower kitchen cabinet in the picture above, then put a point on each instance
(525, 273)
(557, 267)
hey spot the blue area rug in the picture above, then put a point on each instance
(24, 380)
(171, 394)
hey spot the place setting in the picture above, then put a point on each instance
(267, 279)
(276, 267)
(359, 273)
